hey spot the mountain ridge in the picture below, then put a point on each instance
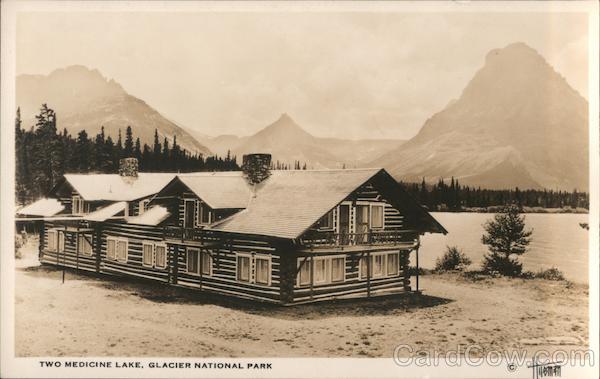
(84, 99)
(516, 111)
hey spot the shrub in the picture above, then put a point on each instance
(453, 259)
(550, 274)
(505, 236)
(19, 242)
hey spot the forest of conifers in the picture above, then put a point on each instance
(43, 155)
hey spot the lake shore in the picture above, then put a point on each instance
(90, 315)
(496, 209)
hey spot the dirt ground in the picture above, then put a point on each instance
(99, 316)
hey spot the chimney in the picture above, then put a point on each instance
(128, 167)
(256, 167)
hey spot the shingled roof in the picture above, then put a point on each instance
(114, 187)
(290, 202)
(219, 190)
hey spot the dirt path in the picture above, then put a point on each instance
(94, 316)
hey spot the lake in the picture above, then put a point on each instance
(557, 241)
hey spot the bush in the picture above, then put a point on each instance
(453, 259)
(550, 274)
(19, 242)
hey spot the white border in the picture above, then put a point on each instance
(309, 367)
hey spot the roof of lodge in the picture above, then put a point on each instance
(115, 187)
(219, 190)
(290, 201)
(42, 207)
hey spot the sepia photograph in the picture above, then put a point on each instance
(310, 189)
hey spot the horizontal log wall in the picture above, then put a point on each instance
(70, 257)
(353, 285)
(136, 235)
(224, 270)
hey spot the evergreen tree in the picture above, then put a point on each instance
(505, 236)
(128, 151)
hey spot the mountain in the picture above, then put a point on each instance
(517, 123)
(288, 142)
(84, 99)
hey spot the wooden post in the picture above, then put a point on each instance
(175, 264)
(42, 240)
(76, 250)
(368, 274)
(312, 276)
(417, 262)
(98, 246)
(200, 265)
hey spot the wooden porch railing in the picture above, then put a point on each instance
(187, 234)
(387, 237)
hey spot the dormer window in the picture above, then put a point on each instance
(143, 206)
(326, 222)
(77, 205)
(204, 214)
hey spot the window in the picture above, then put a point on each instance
(243, 268)
(304, 274)
(206, 263)
(148, 254)
(51, 240)
(378, 265)
(364, 267)
(338, 269)
(193, 261)
(325, 270)
(392, 264)
(143, 206)
(189, 213)
(122, 251)
(160, 256)
(326, 222)
(254, 268)
(320, 270)
(383, 265)
(204, 214)
(111, 248)
(84, 244)
(263, 270)
(61, 241)
(77, 205)
(377, 212)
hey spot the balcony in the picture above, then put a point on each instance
(357, 241)
(189, 235)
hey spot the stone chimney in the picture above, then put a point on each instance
(128, 167)
(256, 167)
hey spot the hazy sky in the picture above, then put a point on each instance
(351, 75)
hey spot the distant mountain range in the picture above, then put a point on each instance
(287, 142)
(517, 123)
(84, 99)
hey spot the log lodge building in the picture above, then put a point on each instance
(285, 237)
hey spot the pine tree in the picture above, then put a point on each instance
(505, 236)
(83, 152)
(128, 151)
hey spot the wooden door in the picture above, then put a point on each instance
(362, 224)
(344, 223)
(189, 214)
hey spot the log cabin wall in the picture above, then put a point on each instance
(70, 256)
(352, 284)
(136, 236)
(224, 277)
(393, 219)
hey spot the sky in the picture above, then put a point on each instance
(337, 74)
